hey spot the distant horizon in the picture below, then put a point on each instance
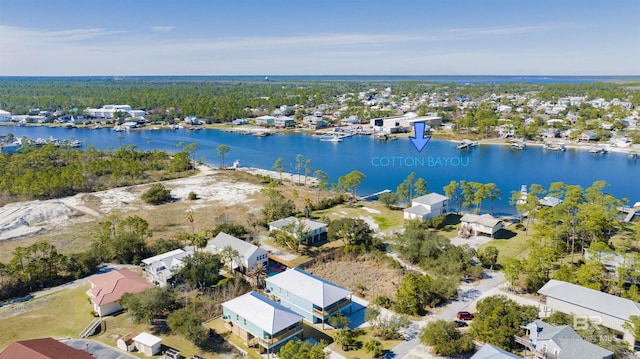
(326, 75)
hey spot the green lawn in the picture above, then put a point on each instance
(514, 247)
(363, 338)
(384, 217)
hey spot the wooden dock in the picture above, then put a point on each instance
(373, 196)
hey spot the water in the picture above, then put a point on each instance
(506, 168)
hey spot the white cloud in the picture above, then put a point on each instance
(163, 29)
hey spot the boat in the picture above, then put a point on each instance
(333, 138)
(598, 150)
(75, 144)
(633, 155)
(551, 146)
(261, 134)
(518, 146)
(96, 127)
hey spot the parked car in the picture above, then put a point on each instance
(460, 323)
(465, 315)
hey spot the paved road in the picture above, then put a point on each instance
(463, 301)
(98, 350)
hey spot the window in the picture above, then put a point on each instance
(544, 348)
(245, 321)
(237, 317)
(556, 352)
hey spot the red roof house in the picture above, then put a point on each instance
(107, 289)
(44, 348)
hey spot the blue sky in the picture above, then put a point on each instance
(328, 37)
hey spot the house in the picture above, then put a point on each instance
(427, 206)
(545, 340)
(109, 111)
(249, 255)
(550, 201)
(265, 120)
(404, 123)
(147, 344)
(261, 322)
(352, 120)
(588, 136)
(284, 121)
(604, 309)
(107, 289)
(5, 116)
(315, 299)
(475, 225)
(314, 231)
(162, 267)
(488, 351)
(239, 121)
(43, 348)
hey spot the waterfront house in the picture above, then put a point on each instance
(600, 308)
(352, 120)
(42, 348)
(587, 136)
(147, 344)
(107, 289)
(239, 121)
(5, 116)
(314, 298)
(550, 201)
(472, 225)
(261, 322)
(265, 120)
(284, 121)
(488, 351)
(249, 255)
(108, 111)
(162, 267)
(426, 207)
(312, 231)
(545, 340)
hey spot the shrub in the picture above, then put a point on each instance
(157, 194)
(192, 196)
(374, 348)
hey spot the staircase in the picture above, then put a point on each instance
(91, 328)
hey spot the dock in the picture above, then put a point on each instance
(373, 196)
(629, 213)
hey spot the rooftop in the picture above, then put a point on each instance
(147, 339)
(430, 199)
(310, 224)
(110, 287)
(309, 287)
(268, 315)
(571, 345)
(43, 348)
(488, 351)
(244, 248)
(485, 219)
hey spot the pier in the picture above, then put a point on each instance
(373, 196)
(629, 213)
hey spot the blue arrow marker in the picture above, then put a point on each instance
(419, 141)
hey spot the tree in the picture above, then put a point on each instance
(346, 339)
(157, 194)
(221, 151)
(339, 321)
(592, 275)
(374, 348)
(350, 183)
(498, 319)
(279, 166)
(412, 296)
(388, 199)
(296, 349)
(512, 268)
(188, 323)
(452, 190)
(277, 206)
(354, 232)
(200, 270)
(488, 256)
(143, 307)
(493, 193)
(323, 179)
(445, 338)
(229, 256)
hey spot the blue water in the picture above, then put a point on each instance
(506, 168)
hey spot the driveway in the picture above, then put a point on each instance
(98, 350)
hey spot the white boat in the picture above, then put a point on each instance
(466, 144)
(333, 138)
(554, 146)
(598, 150)
(75, 144)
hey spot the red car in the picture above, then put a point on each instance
(465, 315)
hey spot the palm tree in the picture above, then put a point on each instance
(229, 256)
(258, 272)
(222, 150)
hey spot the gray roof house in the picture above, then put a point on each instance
(488, 351)
(315, 231)
(162, 267)
(474, 225)
(249, 255)
(604, 309)
(587, 136)
(425, 207)
(548, 341)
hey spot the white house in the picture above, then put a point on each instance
(488, 351)
(108, 111)
(265, 120)
(427, 206)
(404, 123)
(314, 231)
(5, 116)
(147, 344)
(604, 309)
(162, 266)
(545, 340)
(474, 225)
(249, 255)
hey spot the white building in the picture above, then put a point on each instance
(314, 231)
(147, 344)
(249, 255)
(426, 207)
(162, 267)
(586, 304)
(472, 225)
(548, 341)
(108, 111)
(5, 116)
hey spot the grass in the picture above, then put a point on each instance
(62, 314)
(514, 247)
(384, 217)
(363, 338)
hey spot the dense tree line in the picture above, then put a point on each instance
(50, 172)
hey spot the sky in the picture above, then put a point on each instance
(319, 37)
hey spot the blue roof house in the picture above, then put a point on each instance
(313, 298)
(262, 323)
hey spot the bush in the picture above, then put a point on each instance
(157, 194)
(192, 196)
(374, 348)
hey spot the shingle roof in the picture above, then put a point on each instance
(571, 345)
(110, 287)
(268, 315)
(419, 210)
(430, 199)
(309, 287)
(244, 248)
(591, 299)
(485, 219)
(488, 351)
(43, 348)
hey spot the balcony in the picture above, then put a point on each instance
(332, 308)
(524, 341)
(267, 342)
